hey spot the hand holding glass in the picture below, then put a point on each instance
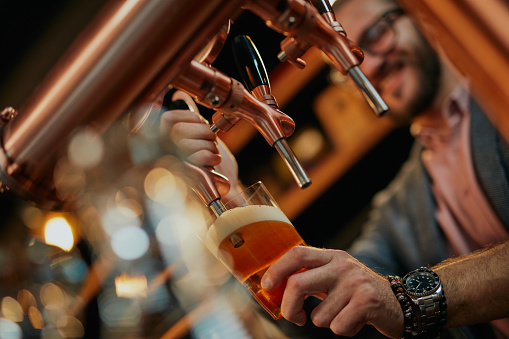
(251, 235)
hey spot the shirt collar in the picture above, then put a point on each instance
(453, 109)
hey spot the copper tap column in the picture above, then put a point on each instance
(107, 68)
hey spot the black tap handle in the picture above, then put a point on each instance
(323, 6)
(249, 63)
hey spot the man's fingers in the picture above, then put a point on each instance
(204, 158)
(292, 261)
(170, 118)
(298, 287)
(323, 314)
(190, 146)
(349, 321)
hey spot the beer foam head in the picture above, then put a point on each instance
(233, 219)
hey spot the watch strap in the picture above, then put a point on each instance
(430, 310)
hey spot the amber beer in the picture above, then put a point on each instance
(248, 240)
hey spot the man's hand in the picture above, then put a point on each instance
(196, 143)
(352, 295)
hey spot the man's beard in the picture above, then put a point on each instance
(428, 65)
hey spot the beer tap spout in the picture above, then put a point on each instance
(233, 102)
(208, 184)
(252, 70)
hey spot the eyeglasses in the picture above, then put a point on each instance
(380, 37)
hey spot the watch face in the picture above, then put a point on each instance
(420, 283)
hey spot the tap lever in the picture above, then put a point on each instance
(305, 27)
(252, 69)
(325, 9)
(249, 62)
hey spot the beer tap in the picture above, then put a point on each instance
(255, 77)
(208, 184)
(233, 102)
(304, 26)
(292, 49)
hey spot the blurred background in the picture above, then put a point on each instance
(75, 275)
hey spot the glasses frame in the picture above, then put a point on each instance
(387, 18)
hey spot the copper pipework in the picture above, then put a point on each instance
(126, 59)
(128, 54)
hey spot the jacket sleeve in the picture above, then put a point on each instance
(401, 233)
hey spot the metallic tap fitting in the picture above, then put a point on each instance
(255, 77)
(233, 102)
(99, 80)
(304, 26)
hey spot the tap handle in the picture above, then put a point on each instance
(325, 9)
(252, 69)
(323, 6)
(249, 63)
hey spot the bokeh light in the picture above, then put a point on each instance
(162, 186)
(70, 327)
(58, 232)
(309, 144)
(11, 309)
(86, 149)
(36, 318)
(9, 330)
(32, 217)
(119, 217)
(130, 242)
(26, 299)
(131, 286)
(53, 297)
(119, 312)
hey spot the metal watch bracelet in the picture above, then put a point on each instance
(431, 311)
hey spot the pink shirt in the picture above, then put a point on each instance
(466, 217)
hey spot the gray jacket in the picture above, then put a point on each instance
(402, 233)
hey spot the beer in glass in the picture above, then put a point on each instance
(251, 235)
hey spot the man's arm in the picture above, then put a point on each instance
(476, 286)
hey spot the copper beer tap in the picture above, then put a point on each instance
(233, 102)
(129, 55)
(255, 77)
(304, 27)
(215, 90)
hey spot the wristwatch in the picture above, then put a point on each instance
(424, 288)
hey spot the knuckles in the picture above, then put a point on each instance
(320, 320)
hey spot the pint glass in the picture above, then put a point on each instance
(251, 235)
